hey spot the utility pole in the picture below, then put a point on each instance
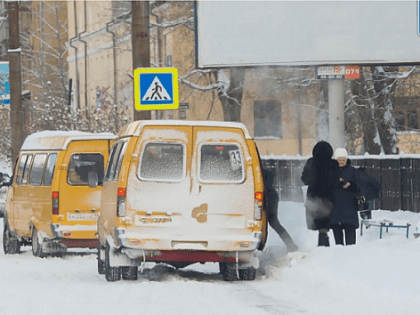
(16, 113)
(299, 119)
(336, 113)
(140, 41)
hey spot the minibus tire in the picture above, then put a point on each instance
(111, 273)
(247, 274)
(101, 263)
(130, 272)
(222, 267)
(11, 245)
(36, 247)
(230, 274)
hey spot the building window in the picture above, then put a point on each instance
(120, 7)
(267, 119)
(407, 114)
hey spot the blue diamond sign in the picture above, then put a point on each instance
(156, 88)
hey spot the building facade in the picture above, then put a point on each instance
(87, 54)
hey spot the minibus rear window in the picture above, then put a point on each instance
(81, 164)
(162, 162)
(221, 163)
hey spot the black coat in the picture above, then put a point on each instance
(321, 174)
(369, 186)
(271, 195)
(345, 209)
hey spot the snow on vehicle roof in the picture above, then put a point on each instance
(134, 128)
(59, 140)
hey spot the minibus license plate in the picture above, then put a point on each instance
(82, 216)
(150, 221)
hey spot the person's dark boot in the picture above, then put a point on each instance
(323, 239)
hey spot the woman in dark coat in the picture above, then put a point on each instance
(345, 217)
(321, 174)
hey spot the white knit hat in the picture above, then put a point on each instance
(340, 152)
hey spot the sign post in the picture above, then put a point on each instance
(156, 88)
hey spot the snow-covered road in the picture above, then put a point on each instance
(377, 276)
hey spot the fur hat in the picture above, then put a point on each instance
(322, 149)
(340, 152)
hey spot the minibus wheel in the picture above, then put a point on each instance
(247, 273)
(222, 267)
(36, 246)
(129, 272)
(230, 274)
(11, 245)
(111, 273)
(101, 261)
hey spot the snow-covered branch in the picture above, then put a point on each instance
(173, 23)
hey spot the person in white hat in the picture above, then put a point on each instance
(344, 216)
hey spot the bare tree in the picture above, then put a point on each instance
(384, 82)
(230, 91)
(370, 109)
(44, 66)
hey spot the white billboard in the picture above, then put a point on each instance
(296, 33)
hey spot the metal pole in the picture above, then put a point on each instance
(140, 40)
(16, 113)
(336, 113)
(299, 120)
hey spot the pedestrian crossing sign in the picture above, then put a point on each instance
(156, 88)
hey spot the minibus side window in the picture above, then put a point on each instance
(49, 169)
(37, 169)
(81, 164)
(162, 162)
(221, 163)
(120, 159)
(110, 172)
(21, 168)
(25, 175)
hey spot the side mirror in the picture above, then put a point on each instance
(93, 179)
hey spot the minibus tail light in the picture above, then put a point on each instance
(258, 205)
(121, 202)
(55, 209)
(121, 192)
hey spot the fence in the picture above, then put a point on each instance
(399, 176)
